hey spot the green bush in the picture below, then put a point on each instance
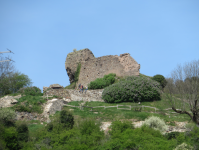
(7, 116)
(10, 137)
(161, 79)
(156, 123)
(117, 127)
(67, 119)
(143, 138)
(33, 91)
(88, 127)
(132, 89)
(172, 135)
(23, 133)
(194, 136)
(101, 83)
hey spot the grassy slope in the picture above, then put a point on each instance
(110, 114)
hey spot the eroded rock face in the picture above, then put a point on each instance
(9, 101)
(92, 68)
(51, 107)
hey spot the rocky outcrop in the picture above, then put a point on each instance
(9, 101)
(92, 68)
(51, 107)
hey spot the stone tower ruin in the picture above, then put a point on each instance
(92, 68)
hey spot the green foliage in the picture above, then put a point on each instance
(119, 127)
(13, 82)
(7, 116)
(10, 137)
(143, 138)
(76, 77)
(172, 135)
(29, 104)
(2, 132)
(67, 119)
(101, 83)
(34, 91)
(23, 133)
(156, 123)
(50, 127)
(88, 127)
(194, 136)
(161, 79)
(132, 89)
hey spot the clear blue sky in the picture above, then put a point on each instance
(159, 34)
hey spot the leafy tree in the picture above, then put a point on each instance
(12, 82)
(182, 90)
(161, 79)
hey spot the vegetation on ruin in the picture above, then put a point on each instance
(76, 78)
(71, 86)
(132, 89)
(101, 83)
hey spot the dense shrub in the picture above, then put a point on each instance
(101, 83)
(88, 126)
(67, 119)
(172, 135)
(7, 116)
(10, 137)
(23, 133)
(118, 126)
(156, 123)
(34, 91)
(161, 79)
(194, 136)
(143, 138)
(132, 89)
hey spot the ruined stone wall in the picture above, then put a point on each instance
(92, 68)
(74, 58)
(58, 92)
(88, 96)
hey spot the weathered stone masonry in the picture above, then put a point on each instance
(92, 68)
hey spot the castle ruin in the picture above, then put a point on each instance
(92, 68)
